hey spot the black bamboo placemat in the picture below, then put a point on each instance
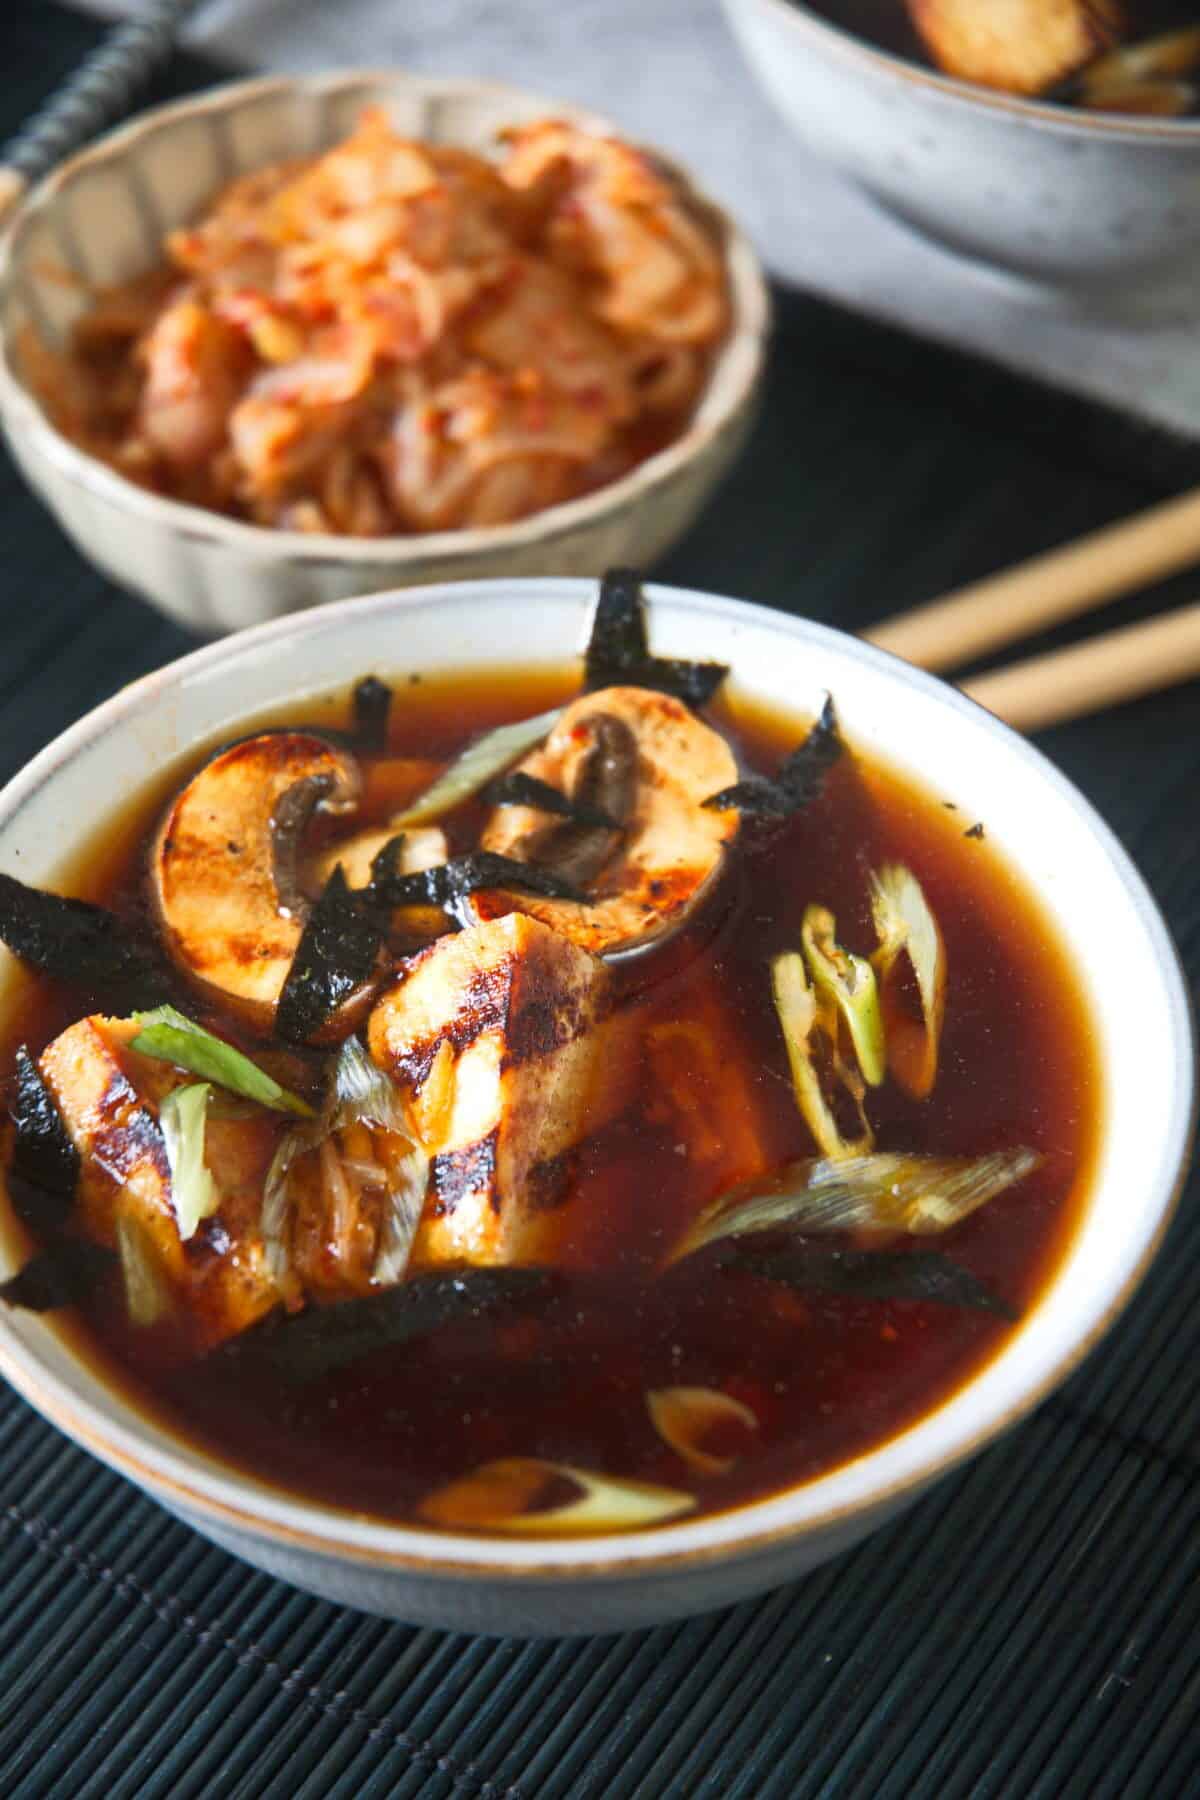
(1029, 1629)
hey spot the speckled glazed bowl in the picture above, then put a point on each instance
(1066, 197)
(101, 218)
(1036, 819)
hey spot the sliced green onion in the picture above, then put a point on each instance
(920, 1195)
(147, 1291)
(470, 771)
(796, 1005)
(685, 1416)
(904, 923)
(362, 1095)
(365, 1095)
(169, 1036)
(848, 983)
(182, 1118)
(274, 1219)
(407, 1181)
(363, 1092)
(497, 1497)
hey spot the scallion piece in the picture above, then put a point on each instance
(475, 767)
(362, 1092)
(498, 1495)
(904, 923)
(147, 1290)
(796, 1005)
(687, 1417)
(170, 1036)
(848, 983)
(182, 1118)
(884, 1193)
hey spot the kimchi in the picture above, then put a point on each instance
(399, 336)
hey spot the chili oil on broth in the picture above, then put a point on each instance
(828, 1377)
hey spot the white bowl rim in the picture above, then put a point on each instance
(1043, 113)
(743, 354)
(223, 1497)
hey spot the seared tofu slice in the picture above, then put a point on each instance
(108, 1096)
(1022, 46)
(701, 1085)
(501, 1043)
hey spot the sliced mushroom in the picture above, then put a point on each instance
(227, 867)
(650, 763)
(1021, 46)
(424, 847)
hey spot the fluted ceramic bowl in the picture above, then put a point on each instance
(1040, 824)
(101, 218)
(1068, 198)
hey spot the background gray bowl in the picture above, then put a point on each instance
(1066, 197)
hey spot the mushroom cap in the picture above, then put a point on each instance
(226, 846)
(673, 847)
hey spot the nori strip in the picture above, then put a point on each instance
(44, 1160)
(798, 781)
(520, 789)
(450, 882)
(618, 652)
(63, 1273)
(925, 1275)
(372, 704)
(338, 951)
(322, 1339)
(83, 945)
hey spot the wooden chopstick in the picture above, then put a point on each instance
(1116, 666)
(91, 98)
(1059, 585)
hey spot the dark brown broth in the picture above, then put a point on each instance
(828, 1377)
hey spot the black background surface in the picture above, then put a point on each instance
(1032, 1627)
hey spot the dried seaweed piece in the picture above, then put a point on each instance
(62, 1274)
(618, 652)
(796, 783)
(372, 706)
(451, 882)
(337, 954)
(311, 1344)
(520, 789)
(924, 1275)
(85, 946)
(44, 1158)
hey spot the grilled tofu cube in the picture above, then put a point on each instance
(1022, 46)
(500, 1040)
(108, 1096)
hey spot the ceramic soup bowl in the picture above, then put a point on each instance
(1037, 821)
